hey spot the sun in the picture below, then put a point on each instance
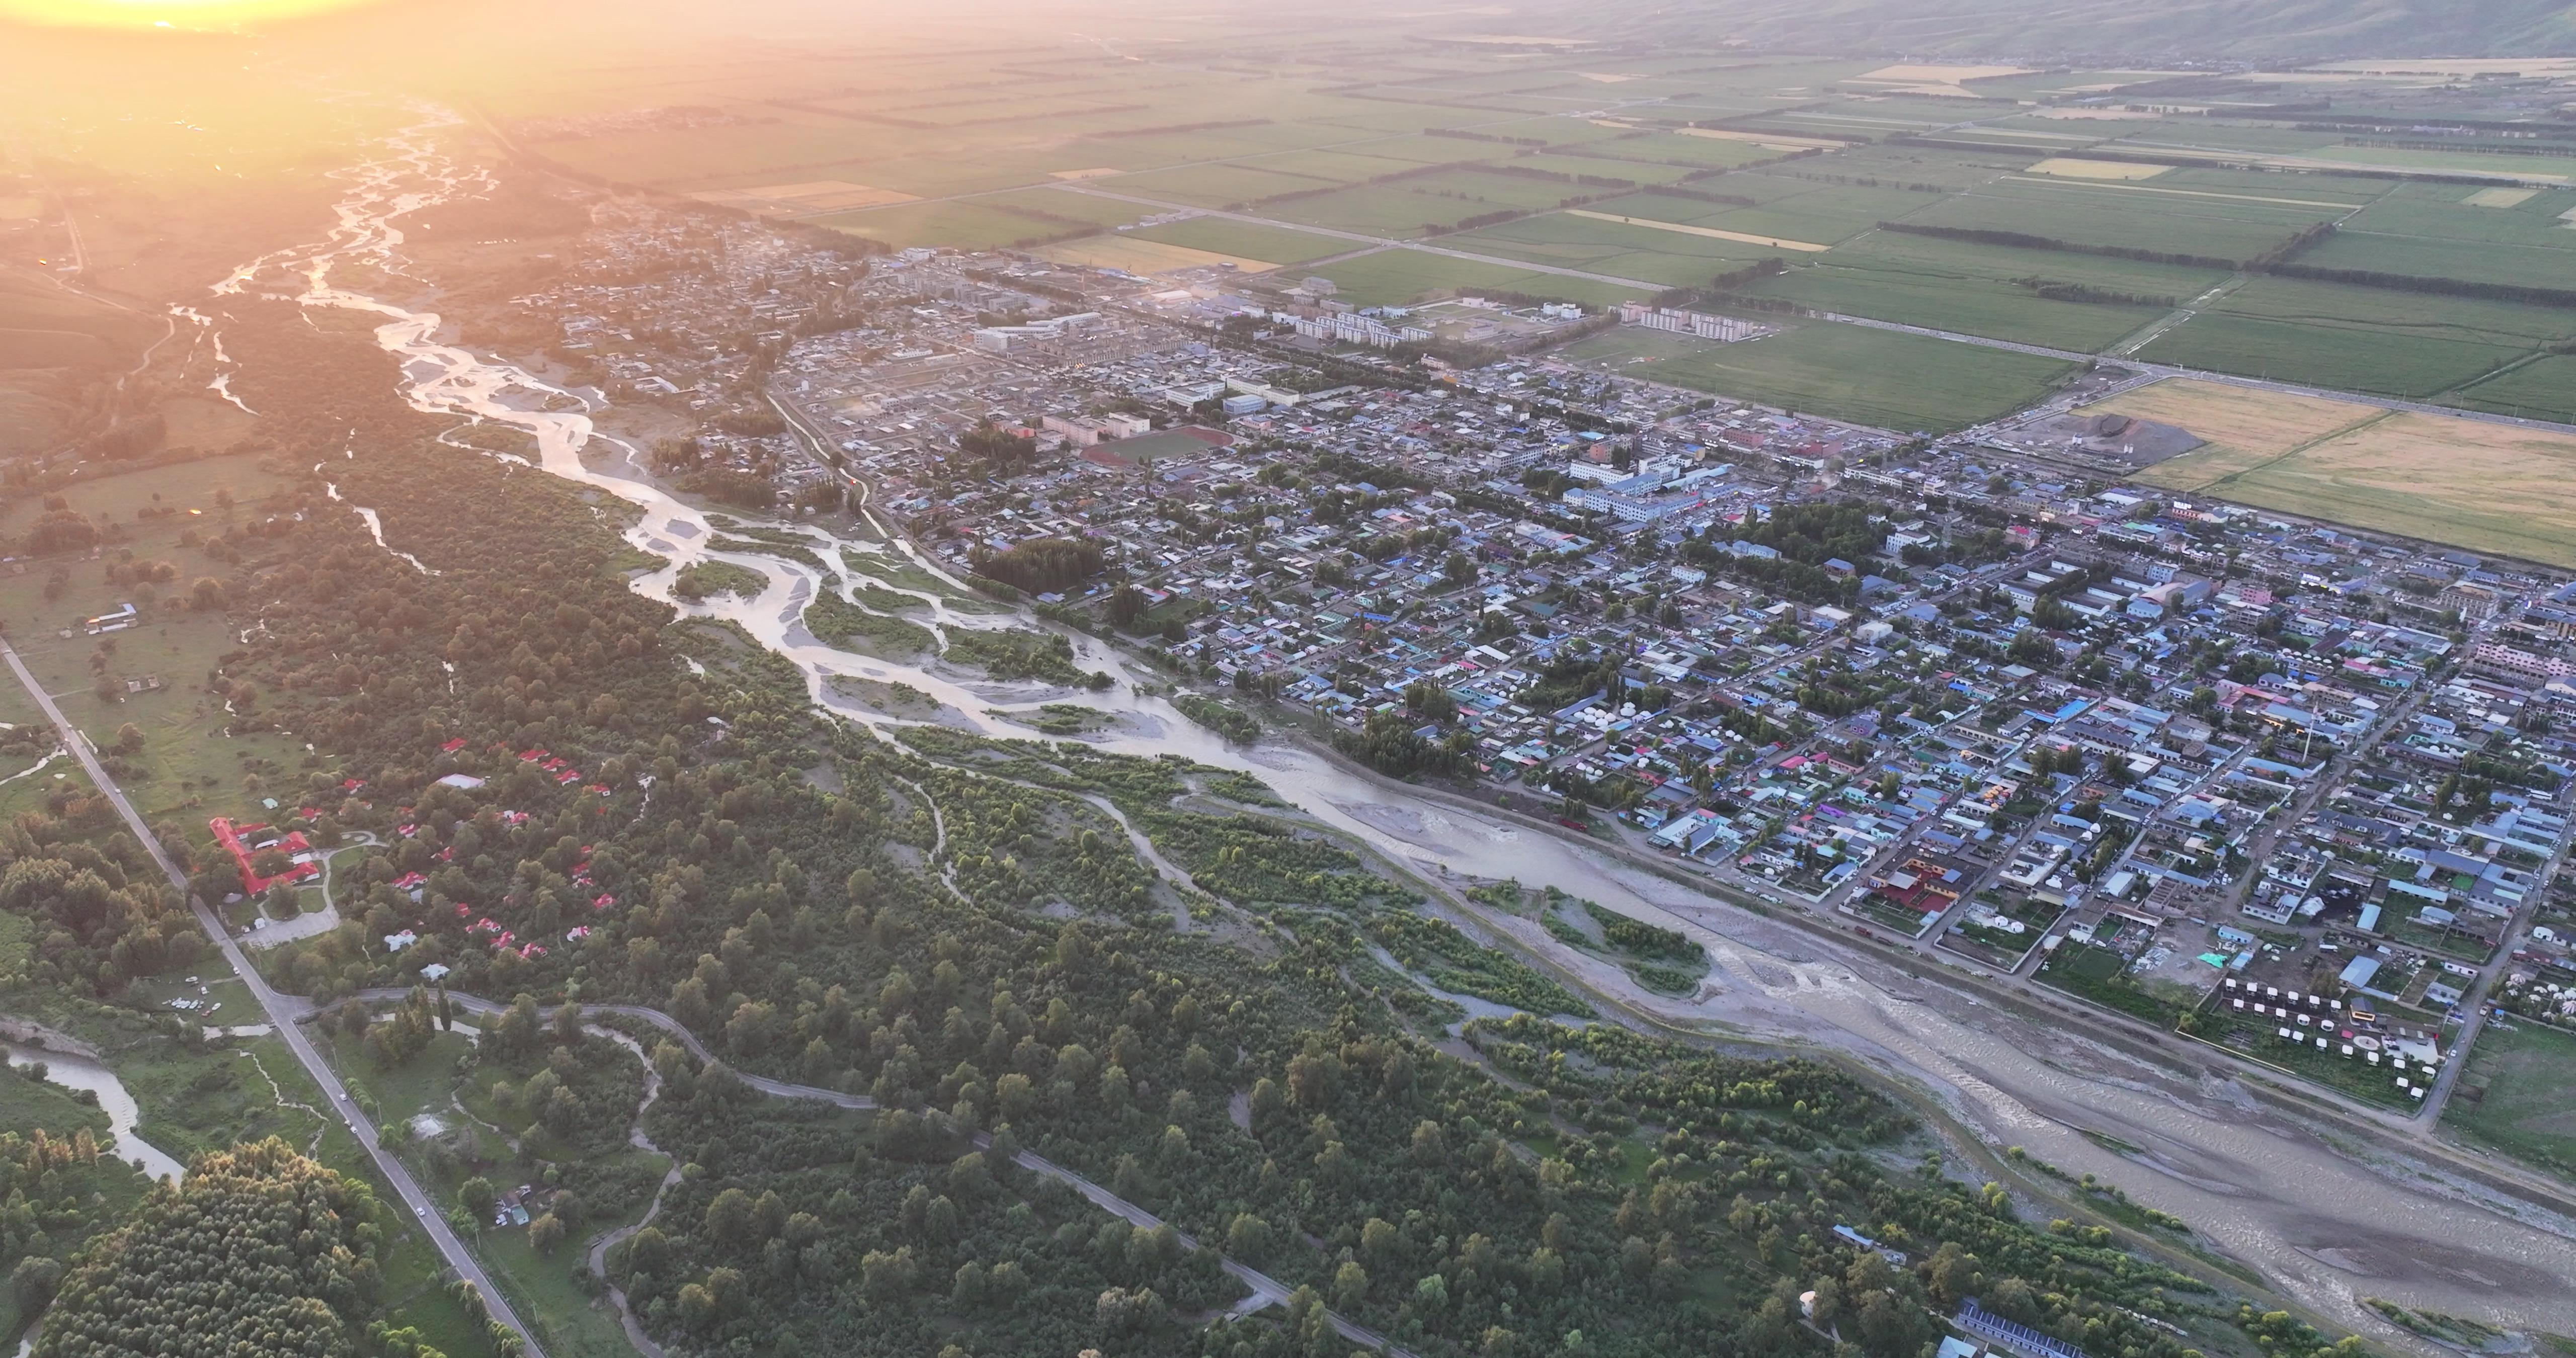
(171, 14)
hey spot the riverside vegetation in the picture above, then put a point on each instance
(952, 926)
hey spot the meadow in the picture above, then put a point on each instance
(2521, 1070)
(1873, 377)
(189, 764)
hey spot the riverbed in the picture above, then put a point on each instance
(2322, 1223)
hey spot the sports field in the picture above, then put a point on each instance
(1846, 372)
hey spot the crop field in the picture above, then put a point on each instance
(970, 224)
(1246, 240)
(2212, 223)
(1640, 171)
(1619, 249)
(2358, 339)
(2541, 389)
(1970, 304)
(1409, 207)
(2465, 483)
(1215, 185)
(1396, 277)
(2246, 424)
(1875, 377)
(2436, 231)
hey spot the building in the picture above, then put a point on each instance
(1083, 431)
(1697, 324)
(1346, 327)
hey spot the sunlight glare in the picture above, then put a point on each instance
(163, 14)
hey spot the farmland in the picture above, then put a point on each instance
(1865, 376)
(2063, 221)
(2358, 339)
(1223, 236)
(1396, 277)
(2487, 487)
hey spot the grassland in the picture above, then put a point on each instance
(190, 759)
(2520, 1073)
(1875, 377)
(46, 325)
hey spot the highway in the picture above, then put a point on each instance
(282, 1011)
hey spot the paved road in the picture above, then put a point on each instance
(282, 1010)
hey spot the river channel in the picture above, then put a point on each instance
(2324, 1223)
(80, 1072)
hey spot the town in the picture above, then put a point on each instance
(2286, 789)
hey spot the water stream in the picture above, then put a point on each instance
(80, 1072)
(2322, 1225)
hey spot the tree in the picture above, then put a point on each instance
(545, 1233)
(476, 1197)
(147, 1282)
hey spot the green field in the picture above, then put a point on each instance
(2130, 216)
(1248, 240)
(1216, 185)
(2433, 231)
(46, 325)
(1415, 207)
(1847, 372)
(2542, 389)
(2513, 1096)
(1620, 249)
(969, 225)
(189, 766)
(2357, 339)
(1395, 277)
(1986, 290)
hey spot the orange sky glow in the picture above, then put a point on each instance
(188, 14)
